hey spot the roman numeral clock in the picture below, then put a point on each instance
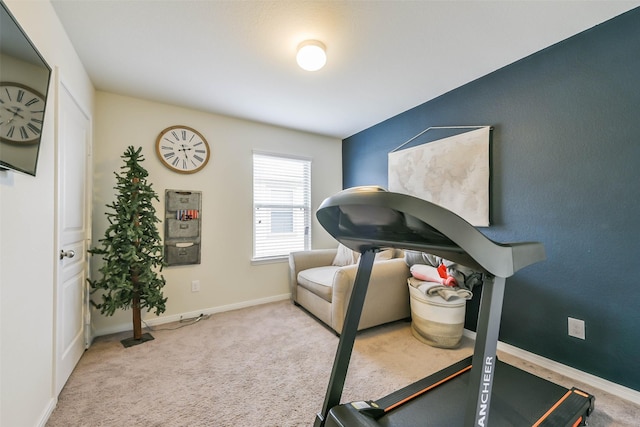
(182, 149)
(21, 113)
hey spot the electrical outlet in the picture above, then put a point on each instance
(195, 286)
(576, 328)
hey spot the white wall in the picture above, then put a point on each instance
(27, 252)
(27, 214)
(227, 277)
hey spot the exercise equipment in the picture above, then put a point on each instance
(477, 391)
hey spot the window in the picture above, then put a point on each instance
(281, 205)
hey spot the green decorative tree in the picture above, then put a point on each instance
(131, 249)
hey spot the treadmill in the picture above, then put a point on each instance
(477, 391)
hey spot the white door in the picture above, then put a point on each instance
(73, 186)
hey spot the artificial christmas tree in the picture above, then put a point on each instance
(131, 249)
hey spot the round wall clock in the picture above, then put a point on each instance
(21, 113)
(182, 149)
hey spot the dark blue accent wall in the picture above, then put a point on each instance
(565, 171)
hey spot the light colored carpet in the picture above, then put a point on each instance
(267, 365)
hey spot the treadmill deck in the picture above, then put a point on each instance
(518, 399)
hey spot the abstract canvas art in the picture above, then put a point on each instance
(452, 172)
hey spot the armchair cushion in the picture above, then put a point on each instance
(318, 280)
(345, 256)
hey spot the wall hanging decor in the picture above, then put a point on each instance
(452, 172)
(182, 149)
(182, 231)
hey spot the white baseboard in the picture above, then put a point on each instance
(47, 412)
(153, 321)
(584, 377)
(221, 309)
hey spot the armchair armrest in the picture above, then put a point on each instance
(303, 260)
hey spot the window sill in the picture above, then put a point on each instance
(270, 260)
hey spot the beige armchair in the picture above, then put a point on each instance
(324, 289)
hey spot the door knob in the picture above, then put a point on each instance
(68, 254)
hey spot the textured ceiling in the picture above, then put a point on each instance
(237, 58)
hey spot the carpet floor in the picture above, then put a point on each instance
(266, 365)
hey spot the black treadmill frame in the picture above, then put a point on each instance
(367, 219)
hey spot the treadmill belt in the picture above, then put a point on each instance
(518, 399)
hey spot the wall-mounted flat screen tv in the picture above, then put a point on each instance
(24, 85)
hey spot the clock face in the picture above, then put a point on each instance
(182, 149)
(21, 113)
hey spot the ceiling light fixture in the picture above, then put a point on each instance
(311, 55)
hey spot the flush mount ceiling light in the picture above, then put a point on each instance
(311, 55)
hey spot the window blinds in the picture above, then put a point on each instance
(281, 205)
